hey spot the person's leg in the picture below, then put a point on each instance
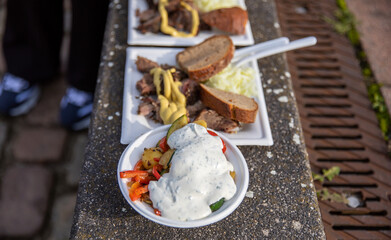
(31, 43)
(88, 25)
(32, 38)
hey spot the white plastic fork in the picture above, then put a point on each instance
(270, 48)
(251, 50)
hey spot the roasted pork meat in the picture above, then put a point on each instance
(217, 122)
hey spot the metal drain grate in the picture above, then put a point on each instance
(340, 129)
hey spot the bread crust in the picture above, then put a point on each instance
(227, 108)
(231, 20)
(205, 72)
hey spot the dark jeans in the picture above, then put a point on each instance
(33, 35)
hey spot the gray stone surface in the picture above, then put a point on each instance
(373, 23)
(374, 26)
(61, 218)
(39, 144)
(76, 159)
(284, 203)
(24, 200)
(46, 113)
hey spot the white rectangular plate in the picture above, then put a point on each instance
(137, 38)
(134, 125)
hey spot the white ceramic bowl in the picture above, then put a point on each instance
(133, 153)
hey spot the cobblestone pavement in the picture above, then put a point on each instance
(40, 163)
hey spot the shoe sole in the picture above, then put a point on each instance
(26, 106)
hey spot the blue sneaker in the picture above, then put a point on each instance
(17, 96)
(75, 109)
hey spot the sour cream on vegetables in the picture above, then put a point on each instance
(199, 176)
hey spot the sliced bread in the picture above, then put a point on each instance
(230, 105)
(231, 20)
(206, 59)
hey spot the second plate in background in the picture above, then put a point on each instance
(135, 37)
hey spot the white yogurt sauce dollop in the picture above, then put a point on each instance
(199, 176)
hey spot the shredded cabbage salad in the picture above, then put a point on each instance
(236, 80)
(209, 5)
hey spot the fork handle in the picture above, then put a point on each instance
(304, 42)
(242, 52)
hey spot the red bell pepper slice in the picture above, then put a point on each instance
(133, 173)
(215, 134)
(132, 191)
(139, 165)
(163, 144)
(141, 190)
(155, 171)
(136, 190)
(157, 212)
(144, 180)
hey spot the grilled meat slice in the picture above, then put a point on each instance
(151, 25)
(181, 20)
(146, 15)
(218, 122)
(195, 109)
(145, 85)
(145, 65)
(149, 107)
(191, 90)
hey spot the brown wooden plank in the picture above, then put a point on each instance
(339, 126)
(331, 234)
(369, 207)
(353, 85)
(379, 173)
(378, 159)
(362, 112)
(350, 221)
(337, 135)
(330, 66)
(363, 184)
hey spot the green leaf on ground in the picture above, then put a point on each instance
(331, 173)
(318, 177)
(325, 195)
(326, 173)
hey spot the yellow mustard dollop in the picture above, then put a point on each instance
(167, 29)
(172, 101)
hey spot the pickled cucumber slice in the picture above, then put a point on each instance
(217, 205)
(177, 124)
(165, 159)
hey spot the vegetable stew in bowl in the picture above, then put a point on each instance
(178, 175)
